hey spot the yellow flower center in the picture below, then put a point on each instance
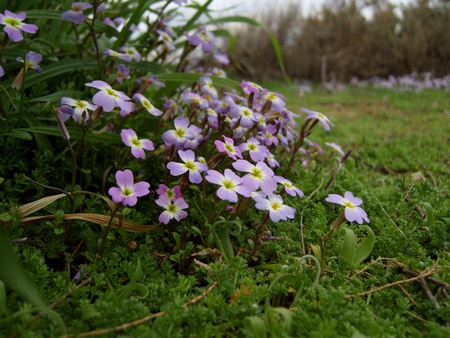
(228, 184)
(180, 133)
(257, 173)
(170, 194)
(81, 105)
(12, 22)
(127, 192)
(229, 147)
(136, 142)
(190, 165)
(275, 205)
(251, 146)
(349, 205)
(171, 208)
(112, 92)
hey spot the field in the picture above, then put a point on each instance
(399, 167)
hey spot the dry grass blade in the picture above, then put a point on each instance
(29, 208)
(95, 218)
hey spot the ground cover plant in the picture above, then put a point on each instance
(143, 193)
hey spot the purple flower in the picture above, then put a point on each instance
(14, 25)
(166, 39)
(31, 61)
(174, 209)
(277, 210)
(228, 147)
(221, 58)
(190, 165)
(319, 116)
(336, 147)
(203, 37)
(288, 186)
(271, 160)
(195, 99)
(76, 15)
(250, 87)
(122, 73)
(245, 114)
(128, 191)
(259, 175)
(2, 71)
(257, 151)
(109, 98)
(132, 52)
(230, 184)
(130, 138)
(351, 203)
(80, 108)
(117, 55)
(172, 194)
(276, 100)
(180, 134)
(146, 103)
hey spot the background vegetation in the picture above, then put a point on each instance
(340, 42)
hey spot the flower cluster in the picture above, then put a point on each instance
(223, 146)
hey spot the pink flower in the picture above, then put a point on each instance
(76, 15)
(180, 134)
(228, 147)
(259, 176)
(109, 98)
(14, 25)
(190, 165)
(147, 105)
(128, 191)
(319, 116)
(277, 210)
(80, 108)
(288, 186)
(230, 184)
(171, 194)
(351, 203)
(130, 138)
(174, 209)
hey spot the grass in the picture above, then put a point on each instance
(399, 167)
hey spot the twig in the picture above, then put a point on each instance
(141, 320)
(387, 286)
(318, 188)
(409, 296)
(54, 304)
(336, 171)
(301, 231)
(417, 317)
(391, 219)
(428, 292)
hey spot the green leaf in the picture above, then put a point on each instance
(125, 292)
(2, 298)
(76, 133)
(56, 97)
(255, 327)
(348, 249)
(142, 6)
(12, 271)
(365, 248)
(56, 69)
(429, 211)
(19, 134)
